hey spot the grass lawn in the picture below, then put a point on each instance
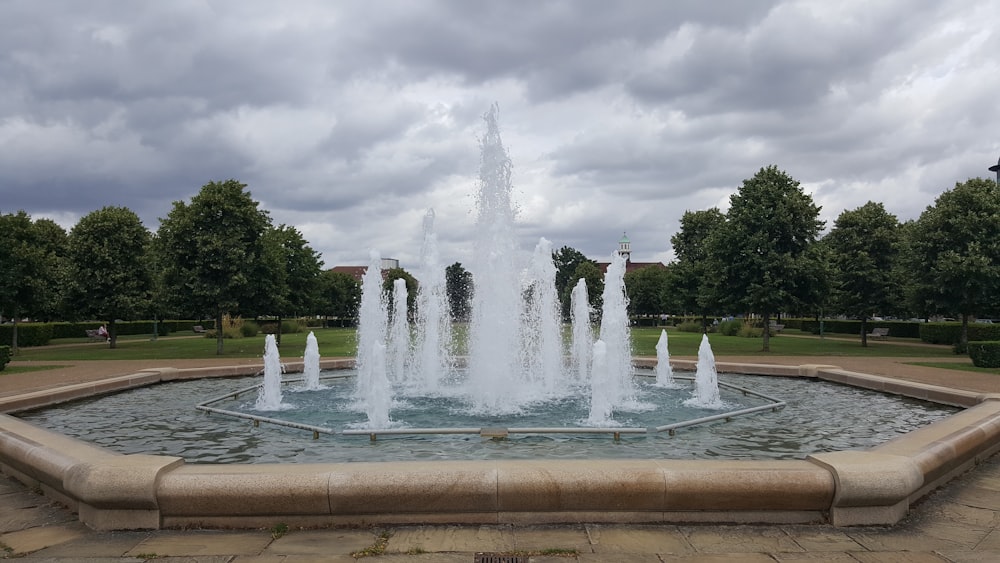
(961, 366)
(341, 342)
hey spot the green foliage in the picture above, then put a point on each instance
(897, 329)
(411, 288)
(291, 326)
(645, 288)
(214, 254)
(748, 330)
(249, 329)
(28, 334)
(111, 279)
(690, 275)
(339, 295)
(32, 267)
(953, 252)
(951, 333)
(4, 356)
(458, 286)
(864, 245)
(690, 326)
(593, 278)
(760, 252)
(985, 354)
(567, 261)
(731, 327)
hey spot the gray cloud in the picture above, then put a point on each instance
(350, 119)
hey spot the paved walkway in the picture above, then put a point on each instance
(960, 522)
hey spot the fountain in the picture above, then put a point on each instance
(583, 336)
(269, 397)
(706, 388)
(147, 488)
(516, 352)
(664, 373)
(310, 365)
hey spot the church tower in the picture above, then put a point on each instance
(625, 248)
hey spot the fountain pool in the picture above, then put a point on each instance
(818, 417)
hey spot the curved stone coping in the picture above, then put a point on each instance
(114, 491)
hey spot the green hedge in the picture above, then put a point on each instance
(898, 329)
(28, 334)
(4, 356)
(985, 354)
(951, 333)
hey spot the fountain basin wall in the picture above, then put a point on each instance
(114, 491)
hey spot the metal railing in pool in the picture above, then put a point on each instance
(499, 433)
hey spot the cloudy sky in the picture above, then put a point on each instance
(348, 120)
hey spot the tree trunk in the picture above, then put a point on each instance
(704, 323)
(13, 330)
(964, 338)
(767, 331)
(218, 331)
(277, 333)
(112, 334)
(864, 332)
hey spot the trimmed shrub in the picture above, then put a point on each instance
(985, 354)
(690, 326)
(28, 334)
(250, 329)
(730, 327)
(747, 330)
(4, 356)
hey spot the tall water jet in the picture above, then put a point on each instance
(310, 364)
(494, 371)
(615, 333)
(399, 332)
(583, 332)
(541, 332)
(664, 373)
(269, 394)
(431, 354)
(602, 387)
(706, 380)
(372, 387)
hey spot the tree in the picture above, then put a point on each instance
(955, 251)
(30, 266)
(411, 288)
(864, 246)
(690, 275)
(110, 278)
(339, 295)
(458, 285)
(759, 252)
(645, 288)
(567, 260)
(295, 269)
(214, 250)
(592, 276)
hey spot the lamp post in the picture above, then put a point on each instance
(997, 170)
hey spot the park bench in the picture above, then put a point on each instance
(198, 328)
(879, 333)
(92, 335)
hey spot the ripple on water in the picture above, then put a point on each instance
(161, 419)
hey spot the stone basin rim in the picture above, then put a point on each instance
(112, 491)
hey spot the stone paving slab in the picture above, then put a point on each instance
(451, 538)
(899, 557)
(638, 539)
(33, 539)
(552, 537)
(822, 539)
(202, 543)
(321, 543)
(112, 544)
(740, 539)
(813, 557)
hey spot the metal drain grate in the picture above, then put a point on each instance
(499, 558)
